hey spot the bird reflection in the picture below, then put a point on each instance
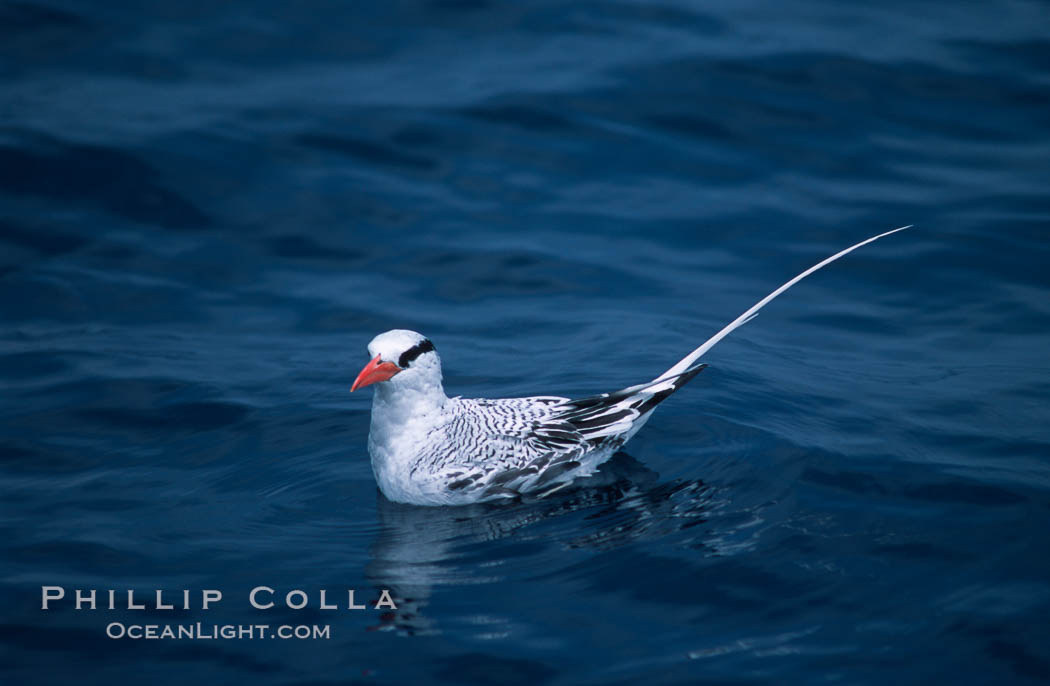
(418, 548)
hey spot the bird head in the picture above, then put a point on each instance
(400, 352)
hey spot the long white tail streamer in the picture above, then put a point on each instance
(692, 357)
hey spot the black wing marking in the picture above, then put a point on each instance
(608, 414)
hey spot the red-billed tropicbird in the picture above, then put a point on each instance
(429, 449)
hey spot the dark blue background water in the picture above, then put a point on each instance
(208, 209)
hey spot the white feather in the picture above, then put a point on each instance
(688, 361)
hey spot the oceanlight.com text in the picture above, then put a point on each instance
(202, 631)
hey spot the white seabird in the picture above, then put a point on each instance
(429, 449)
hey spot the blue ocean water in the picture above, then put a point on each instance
(207, 210)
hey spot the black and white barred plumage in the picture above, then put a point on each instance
(429, 449)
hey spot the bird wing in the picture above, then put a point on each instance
(536, 444)
(507, 446)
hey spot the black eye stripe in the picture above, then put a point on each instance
(415, 351)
